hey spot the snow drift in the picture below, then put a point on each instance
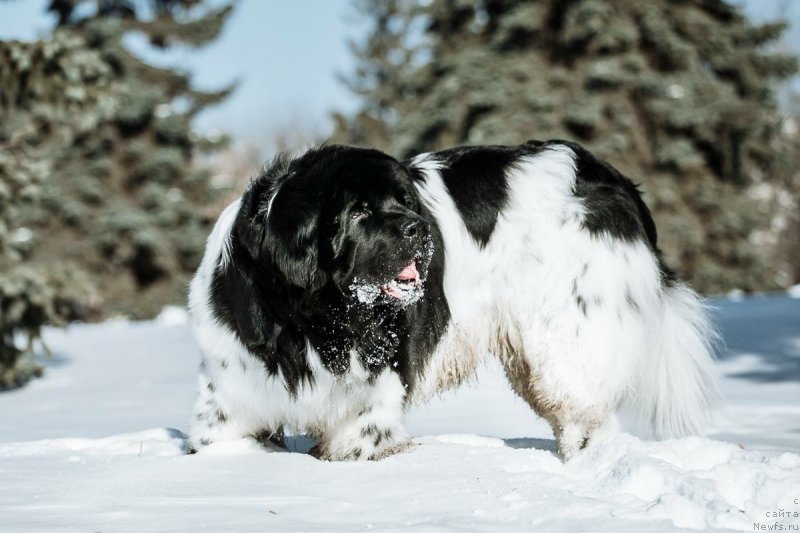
(86, 448)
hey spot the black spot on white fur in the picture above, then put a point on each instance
(631, 301)
(581, 303)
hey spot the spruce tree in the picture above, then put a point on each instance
(52, 92)
(677, 94)
(125, 204)
(101, 208)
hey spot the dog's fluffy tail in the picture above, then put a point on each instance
(677, 385)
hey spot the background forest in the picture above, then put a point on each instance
(107, 188)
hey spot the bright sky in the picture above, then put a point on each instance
(286, 54)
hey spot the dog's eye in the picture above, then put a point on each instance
(361, 211)
(407, 199)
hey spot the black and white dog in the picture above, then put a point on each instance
(345, 286)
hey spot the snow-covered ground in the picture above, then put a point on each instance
(89, 448)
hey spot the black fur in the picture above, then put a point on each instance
(475, 177)
(614, 204)
(299, 240)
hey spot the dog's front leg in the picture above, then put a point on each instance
(375, 430)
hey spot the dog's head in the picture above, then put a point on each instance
(340, 215)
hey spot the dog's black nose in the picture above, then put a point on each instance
(412, 227)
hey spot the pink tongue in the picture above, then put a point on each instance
(409, 272)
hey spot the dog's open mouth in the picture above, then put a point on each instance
(405, 283)
(406, 288)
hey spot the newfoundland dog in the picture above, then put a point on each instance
(345, 285)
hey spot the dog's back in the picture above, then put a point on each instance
(557, 273)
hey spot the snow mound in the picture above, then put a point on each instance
(735, 295)
(469, 440)
(158, 442)
(458, 481)
(173, 316)
(695, 483)
(482, 460)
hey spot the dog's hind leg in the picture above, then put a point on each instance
(575, 352)
(572, 420)
(570, 367)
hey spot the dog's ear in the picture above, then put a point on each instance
(236, 298)
(292, 233)
(280, 227)
(279, 222)
(251, 222)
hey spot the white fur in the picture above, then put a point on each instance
(219, 242)
(516, 298)
(678, 381)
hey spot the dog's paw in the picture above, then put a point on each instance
(370, 443)
(386, 452)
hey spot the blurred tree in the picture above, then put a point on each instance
(125, 203)
(101, 209)
(52, 92)
(678, 94)
(385, 69)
